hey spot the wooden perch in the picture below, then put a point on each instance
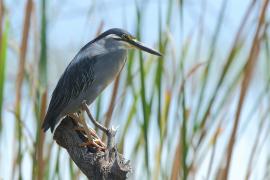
(94, 164)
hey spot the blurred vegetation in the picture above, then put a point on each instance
(180, 116)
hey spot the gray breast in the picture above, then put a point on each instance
(106, 68)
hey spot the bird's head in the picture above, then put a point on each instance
(125, 40)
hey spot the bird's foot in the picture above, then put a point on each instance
(83, 126)
(92, 132)
(96, 143)
(99, 142)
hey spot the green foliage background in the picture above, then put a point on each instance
(198, 112)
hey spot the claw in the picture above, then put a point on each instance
(81, 129)
(93, 139)
(95, 143)
(100, 143)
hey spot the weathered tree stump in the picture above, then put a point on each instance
(94, 164)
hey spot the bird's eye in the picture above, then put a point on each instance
(125, 36)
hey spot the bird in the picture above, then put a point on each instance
(92, 69)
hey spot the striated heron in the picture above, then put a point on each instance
(95, 66)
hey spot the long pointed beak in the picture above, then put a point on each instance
(143, 47)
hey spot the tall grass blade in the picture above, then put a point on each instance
(3, 53)
(251, 62)
(43, 51)
(237, 46)
(212, 51)
(184, 127)
(131, 114)
(41, 138)
(145, 106)
(19, 80)
(158, 84)
(111, 105)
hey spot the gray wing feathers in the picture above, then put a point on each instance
(77, 77)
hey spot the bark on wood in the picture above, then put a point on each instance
(95, 165)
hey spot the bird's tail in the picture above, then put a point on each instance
(50, 121)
